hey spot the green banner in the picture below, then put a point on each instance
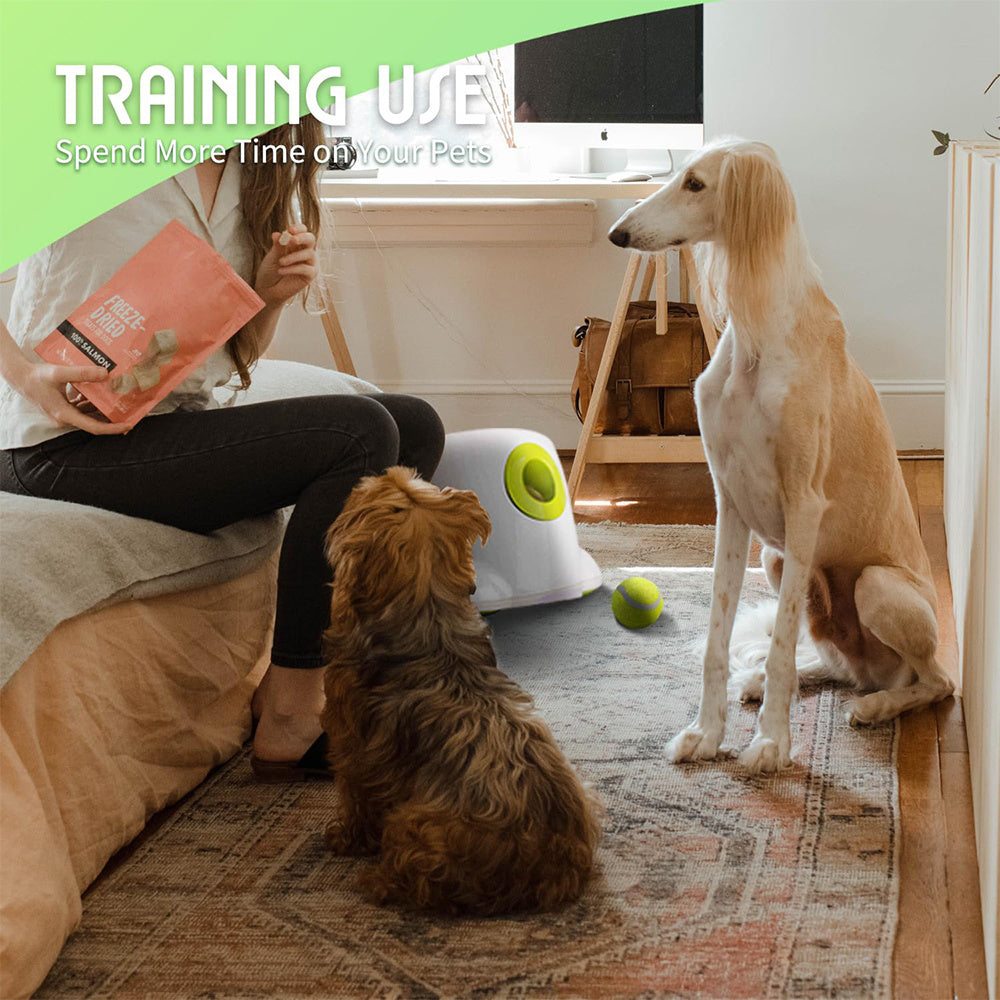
(41, 199)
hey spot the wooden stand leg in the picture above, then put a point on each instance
(661, 294)
(603, 372)
(646, 288)
(685, 280)
(335, 335)
(689, 267)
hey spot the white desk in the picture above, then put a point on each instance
(468, 186)
(461, 189)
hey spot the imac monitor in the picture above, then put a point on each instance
(631, 83)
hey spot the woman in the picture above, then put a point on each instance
(190, 463)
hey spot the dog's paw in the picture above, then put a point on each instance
(694, 743)
(766, 756)
(348, 840)
(869, 709)
(374, 884)
(748, 685)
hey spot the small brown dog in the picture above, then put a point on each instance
(441, 762)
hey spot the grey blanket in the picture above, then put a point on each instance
(58, 560)
(61, 559)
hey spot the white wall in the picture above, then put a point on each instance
(847, 93)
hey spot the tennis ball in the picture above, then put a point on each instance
(636, 602)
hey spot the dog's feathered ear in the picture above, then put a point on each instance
(465, 514)
(332, 544)
(756, 211)
(338, 531)
(756, 201)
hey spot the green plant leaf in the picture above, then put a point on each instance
(941, 137)
(940, 150)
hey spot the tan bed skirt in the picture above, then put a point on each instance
(117, 714)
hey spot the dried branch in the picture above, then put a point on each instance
(495, 93)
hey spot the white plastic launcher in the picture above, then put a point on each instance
(532, 556)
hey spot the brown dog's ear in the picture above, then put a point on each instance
(355, 510)
(470, 517)
(336, 534)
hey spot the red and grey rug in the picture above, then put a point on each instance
(711, 883)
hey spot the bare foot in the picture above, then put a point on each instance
(260, 696)
(290, 702)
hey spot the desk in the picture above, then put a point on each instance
(469, 188)
(459, 185)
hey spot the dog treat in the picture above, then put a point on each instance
(121, 384)
(176, 286)
(160, 352)
(146, 375)
(162, 347)
(285, 238)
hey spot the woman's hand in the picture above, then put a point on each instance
(287, 270)
(47, 387)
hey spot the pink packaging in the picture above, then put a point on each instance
(161, 315)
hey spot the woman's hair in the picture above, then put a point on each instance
(268, 192)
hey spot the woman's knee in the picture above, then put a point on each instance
(421, 432)
(379, 433)
(369, 425)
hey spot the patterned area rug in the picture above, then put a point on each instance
(711, 883)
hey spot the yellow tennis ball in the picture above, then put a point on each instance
(636, 602)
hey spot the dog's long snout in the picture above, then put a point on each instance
(619, 236)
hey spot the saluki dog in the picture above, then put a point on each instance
(801, 454)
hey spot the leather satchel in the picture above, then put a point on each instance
(651, 385)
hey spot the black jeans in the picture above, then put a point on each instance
(201, 471)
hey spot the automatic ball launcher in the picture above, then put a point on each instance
(533, 555)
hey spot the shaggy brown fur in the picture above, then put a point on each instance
(441, 762)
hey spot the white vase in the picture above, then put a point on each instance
(510, 159)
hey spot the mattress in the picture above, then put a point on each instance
(119, 712)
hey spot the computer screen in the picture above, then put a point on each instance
(636, 71)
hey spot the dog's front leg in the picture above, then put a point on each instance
(357, 830)
(702, 739)
(770, 748)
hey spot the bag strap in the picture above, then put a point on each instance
(620, 379)
(583, 385)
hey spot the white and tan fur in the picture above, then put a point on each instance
(801, 455)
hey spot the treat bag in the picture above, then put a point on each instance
(162, 314)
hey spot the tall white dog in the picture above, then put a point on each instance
(800, 454)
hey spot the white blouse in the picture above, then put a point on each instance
(57, 279)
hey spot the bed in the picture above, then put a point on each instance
(124, 683)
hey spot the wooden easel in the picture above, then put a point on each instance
(335, 333)
(604, 448)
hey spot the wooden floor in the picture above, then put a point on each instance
(939, 945)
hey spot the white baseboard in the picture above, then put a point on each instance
(914, 407)
(915, 410)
